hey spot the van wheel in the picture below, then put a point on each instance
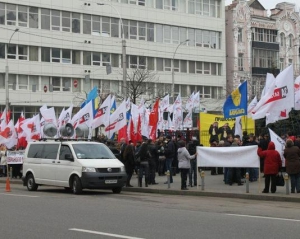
(76, 185)
(30, 183)
(117, 190)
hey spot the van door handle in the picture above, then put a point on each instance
(58, 162)
(53, 161)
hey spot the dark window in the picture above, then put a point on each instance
(50, 151)
(35, 151)
(64, 149)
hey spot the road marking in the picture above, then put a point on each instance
(19, 195)
(271, 218)
(104, 233)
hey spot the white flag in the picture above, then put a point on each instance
(49, 115)
(189, 103)
(164, 103)
(117, 119)
(269, 82)
(3, 120)
(252, 105)
(188, 121)
(103, 113)
(177, 113)
(279, 145)
(8, 135)
(196, 100)
(32, 128)
(278, 103)
(238, 126)
(84, 116)
(297, 93)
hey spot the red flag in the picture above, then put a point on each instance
(139, 130)
(153, 119)
(132, 133)
(122, 133)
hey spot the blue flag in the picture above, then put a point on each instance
(236, 103)
(92, 96)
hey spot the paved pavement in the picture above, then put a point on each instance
(214, 187)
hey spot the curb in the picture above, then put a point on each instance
(200, 193)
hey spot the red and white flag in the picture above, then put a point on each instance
(252, 105)
(32, 128)
(8, 136)
(189, 103)
(22, 143)
(188, 121)
(103, 113)
(3, 120)
(65, 116)
(196, 100)
(297, 93)
(117, 119)
(83, 116)
(277, 104)
(269, 84)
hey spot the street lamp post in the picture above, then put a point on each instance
(7, 72)
(173, 72)
(123, 49)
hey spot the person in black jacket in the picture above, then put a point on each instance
(129, 162)
(169, 154)
(122, 149)
(153, 153)
(192, 149)
(144, 164)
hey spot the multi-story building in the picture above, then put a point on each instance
(258, 43)
(51, 47)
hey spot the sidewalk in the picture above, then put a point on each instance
(214, 187)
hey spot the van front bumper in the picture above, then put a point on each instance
(103, 180)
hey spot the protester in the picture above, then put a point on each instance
(263, 142)
(129, 162)
(234, 174)
(161, 158)
(272, 165)
(292, 157)
(122, 149)
(144, 164)
(169, 154)
(192, 149)
(225, 131)
(184, 163)
(153, 153)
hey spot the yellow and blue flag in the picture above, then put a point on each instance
(236, 103)
(92, 96)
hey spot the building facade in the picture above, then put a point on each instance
(59, 50)
(258, 43)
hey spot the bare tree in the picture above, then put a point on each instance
(140, 82)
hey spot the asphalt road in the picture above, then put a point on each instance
(54, 213)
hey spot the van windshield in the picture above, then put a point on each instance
(92, 151)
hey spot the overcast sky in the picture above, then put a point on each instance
(269, 4)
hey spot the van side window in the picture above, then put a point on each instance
(50, 151)
(64, 149)
(35, 151)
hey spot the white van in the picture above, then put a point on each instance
(72, 164)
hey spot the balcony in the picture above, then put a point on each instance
(265, 45)
(264, 71)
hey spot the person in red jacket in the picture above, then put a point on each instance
(272, 165)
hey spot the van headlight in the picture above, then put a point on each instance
(88, 170)
(122, 168)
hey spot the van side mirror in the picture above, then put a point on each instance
(69, 157)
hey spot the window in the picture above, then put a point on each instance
(114, 60)
(66, 56)
(175, 35)
(66, 21)
(199, 67)
(133, 61)
(96, 59)
(206, 38)
(66, 84)
(290, 40)
(23, 82)
(150, 63)
(206, 7)
(150, 32)
(45, 19)
(55, 57)
(11, 17)
(133, 29)
(22, 52)
(12, 81)
(241, 62)
(199, 38)
(86, 25)
(159, 4)
(141, 2)
(76, 56)
(167, 65)
(192, 67)
(33, 80)
(64, 150)
(142, 31)
(2, 13)
(159, 64)
(183, 34)
(105, 59)
(105, 26)
(191, 6)
(12, 52)
(56, 83)
(87, 58)
(96, 25)
(183, 66)
(142, 62)
(191, 37)
(75, 22)
(126, 28)
(23, 16)
(159, 33)
(2, 50)
(213, 67)
(114, 27)
(45, 54)
(176, 65)
(167, 34)
(33, 17)
(206, 68)
(290, 62)
(281, 64)
(240, 34)
(282, 39)
(55, 20)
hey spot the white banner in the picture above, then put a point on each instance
(15, 157)
(230, 157)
